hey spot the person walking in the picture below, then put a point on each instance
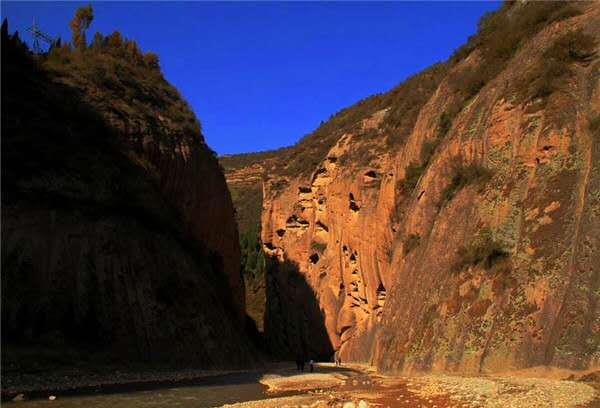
(336, 358)
(312, 365)
(299, 362)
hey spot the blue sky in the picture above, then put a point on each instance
(262, 75)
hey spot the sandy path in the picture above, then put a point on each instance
(360, 387)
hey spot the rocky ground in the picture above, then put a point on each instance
(78, 381)
(350, 386)
(360, 387)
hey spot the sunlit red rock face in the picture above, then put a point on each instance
(383, 262)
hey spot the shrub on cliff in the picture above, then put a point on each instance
(252, 260)
(410, 242)
(500, 34)
(483, 249)
(414, 171)
(429, 146)
(445, 122)
(117, 71)
(549, 73)
(412, 174)
(463, 176)
(595, 126)
(318, 246)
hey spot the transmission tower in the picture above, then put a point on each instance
(38, 36)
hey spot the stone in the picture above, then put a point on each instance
(19, 397)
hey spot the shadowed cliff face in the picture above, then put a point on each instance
(452, 224)
(118, 233)
(293, 318)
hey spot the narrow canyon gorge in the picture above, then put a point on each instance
(450, 225)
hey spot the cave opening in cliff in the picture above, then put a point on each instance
(296, 222)
(352, 203)
(321, 227)
(381, 295)
(314, 258)
(320, 171)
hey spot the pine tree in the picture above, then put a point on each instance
(98, 42)
(114, 40)
(55, 45)
(81, 21)
(151, 59)
(133, 51)
(4, 30)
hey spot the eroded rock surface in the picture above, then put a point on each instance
(446, 232)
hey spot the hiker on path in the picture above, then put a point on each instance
(336, 359)
(299, 362)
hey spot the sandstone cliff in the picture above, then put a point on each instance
(118, 230)
(451, 224)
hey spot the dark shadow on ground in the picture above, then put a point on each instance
(283, 369)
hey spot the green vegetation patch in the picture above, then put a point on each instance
(500, 35)
(483, 249)
(254, 266)
(414, 171)
(463, 176)
(410, 242)
(253, 257)
(118, 78)
(594, 125)
(318, 246)
(247, 200)
(549, 73)
(412, 175)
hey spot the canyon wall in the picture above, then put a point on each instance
(118, 232)
(452, 223)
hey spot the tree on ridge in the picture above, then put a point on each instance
(81, 21)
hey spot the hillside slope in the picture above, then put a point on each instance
(118, 231)
(450, 224)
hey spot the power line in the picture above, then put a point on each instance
(38, 35)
